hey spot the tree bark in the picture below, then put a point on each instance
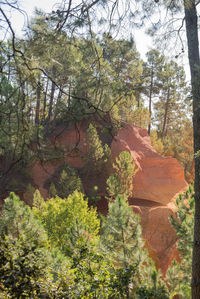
(45, 101)
(37, 110)
(53, 87)
(166, 113)
(150, 100)
(194, 61)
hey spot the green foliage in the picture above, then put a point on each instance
(68, 182)
(23, 250)
(51, 251)
(157, 142)
(121, 182)
(68, 222)
(139, 117)
(45, 152)
(98, 154)
(52, 190)
(122, 244)
(151, 293)
(22, 266)
(121, 234)
(172, 106)
(94, 197)
(179, 274)
(17, 221)
(94, 277)
(26, 270)
(123, 280)
(73, 228)
(111, 81)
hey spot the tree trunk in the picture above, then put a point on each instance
(53, 87)
(166, 113)
(150, 101)
(45, 101)
(194, 61)
(56, 108)
(37, 110)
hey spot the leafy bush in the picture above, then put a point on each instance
(69, 222)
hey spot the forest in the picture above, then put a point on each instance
(76, 66)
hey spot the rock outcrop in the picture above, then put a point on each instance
(159, 179)
(156, 184)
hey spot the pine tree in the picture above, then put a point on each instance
(179, 274)
(121, 182)
(122, 244)
(98, 154)
(121, 236)
(151, 72)
(68, 182)
(17, 221)
(23, 250)
(171, 107)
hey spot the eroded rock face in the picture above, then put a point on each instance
(159, 178)
(156, 184)
(159, 234)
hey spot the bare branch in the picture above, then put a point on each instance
(60, 26)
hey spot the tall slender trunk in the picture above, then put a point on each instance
(194, 61)
(37, 110)
(56, 108)
(53, 87)
(166, 113)
(150, 101)
(45, 101)
(69, 97)
(125, 257)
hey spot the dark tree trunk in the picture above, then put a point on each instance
(37, 110)
(194, 61)
(166, 113)
(150, 101)
(53, 87)
(45, 101)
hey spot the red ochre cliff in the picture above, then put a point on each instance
(156, 184)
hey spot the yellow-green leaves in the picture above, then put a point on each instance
(69, 221)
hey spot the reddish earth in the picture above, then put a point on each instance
(159, 178)
(156, 184)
